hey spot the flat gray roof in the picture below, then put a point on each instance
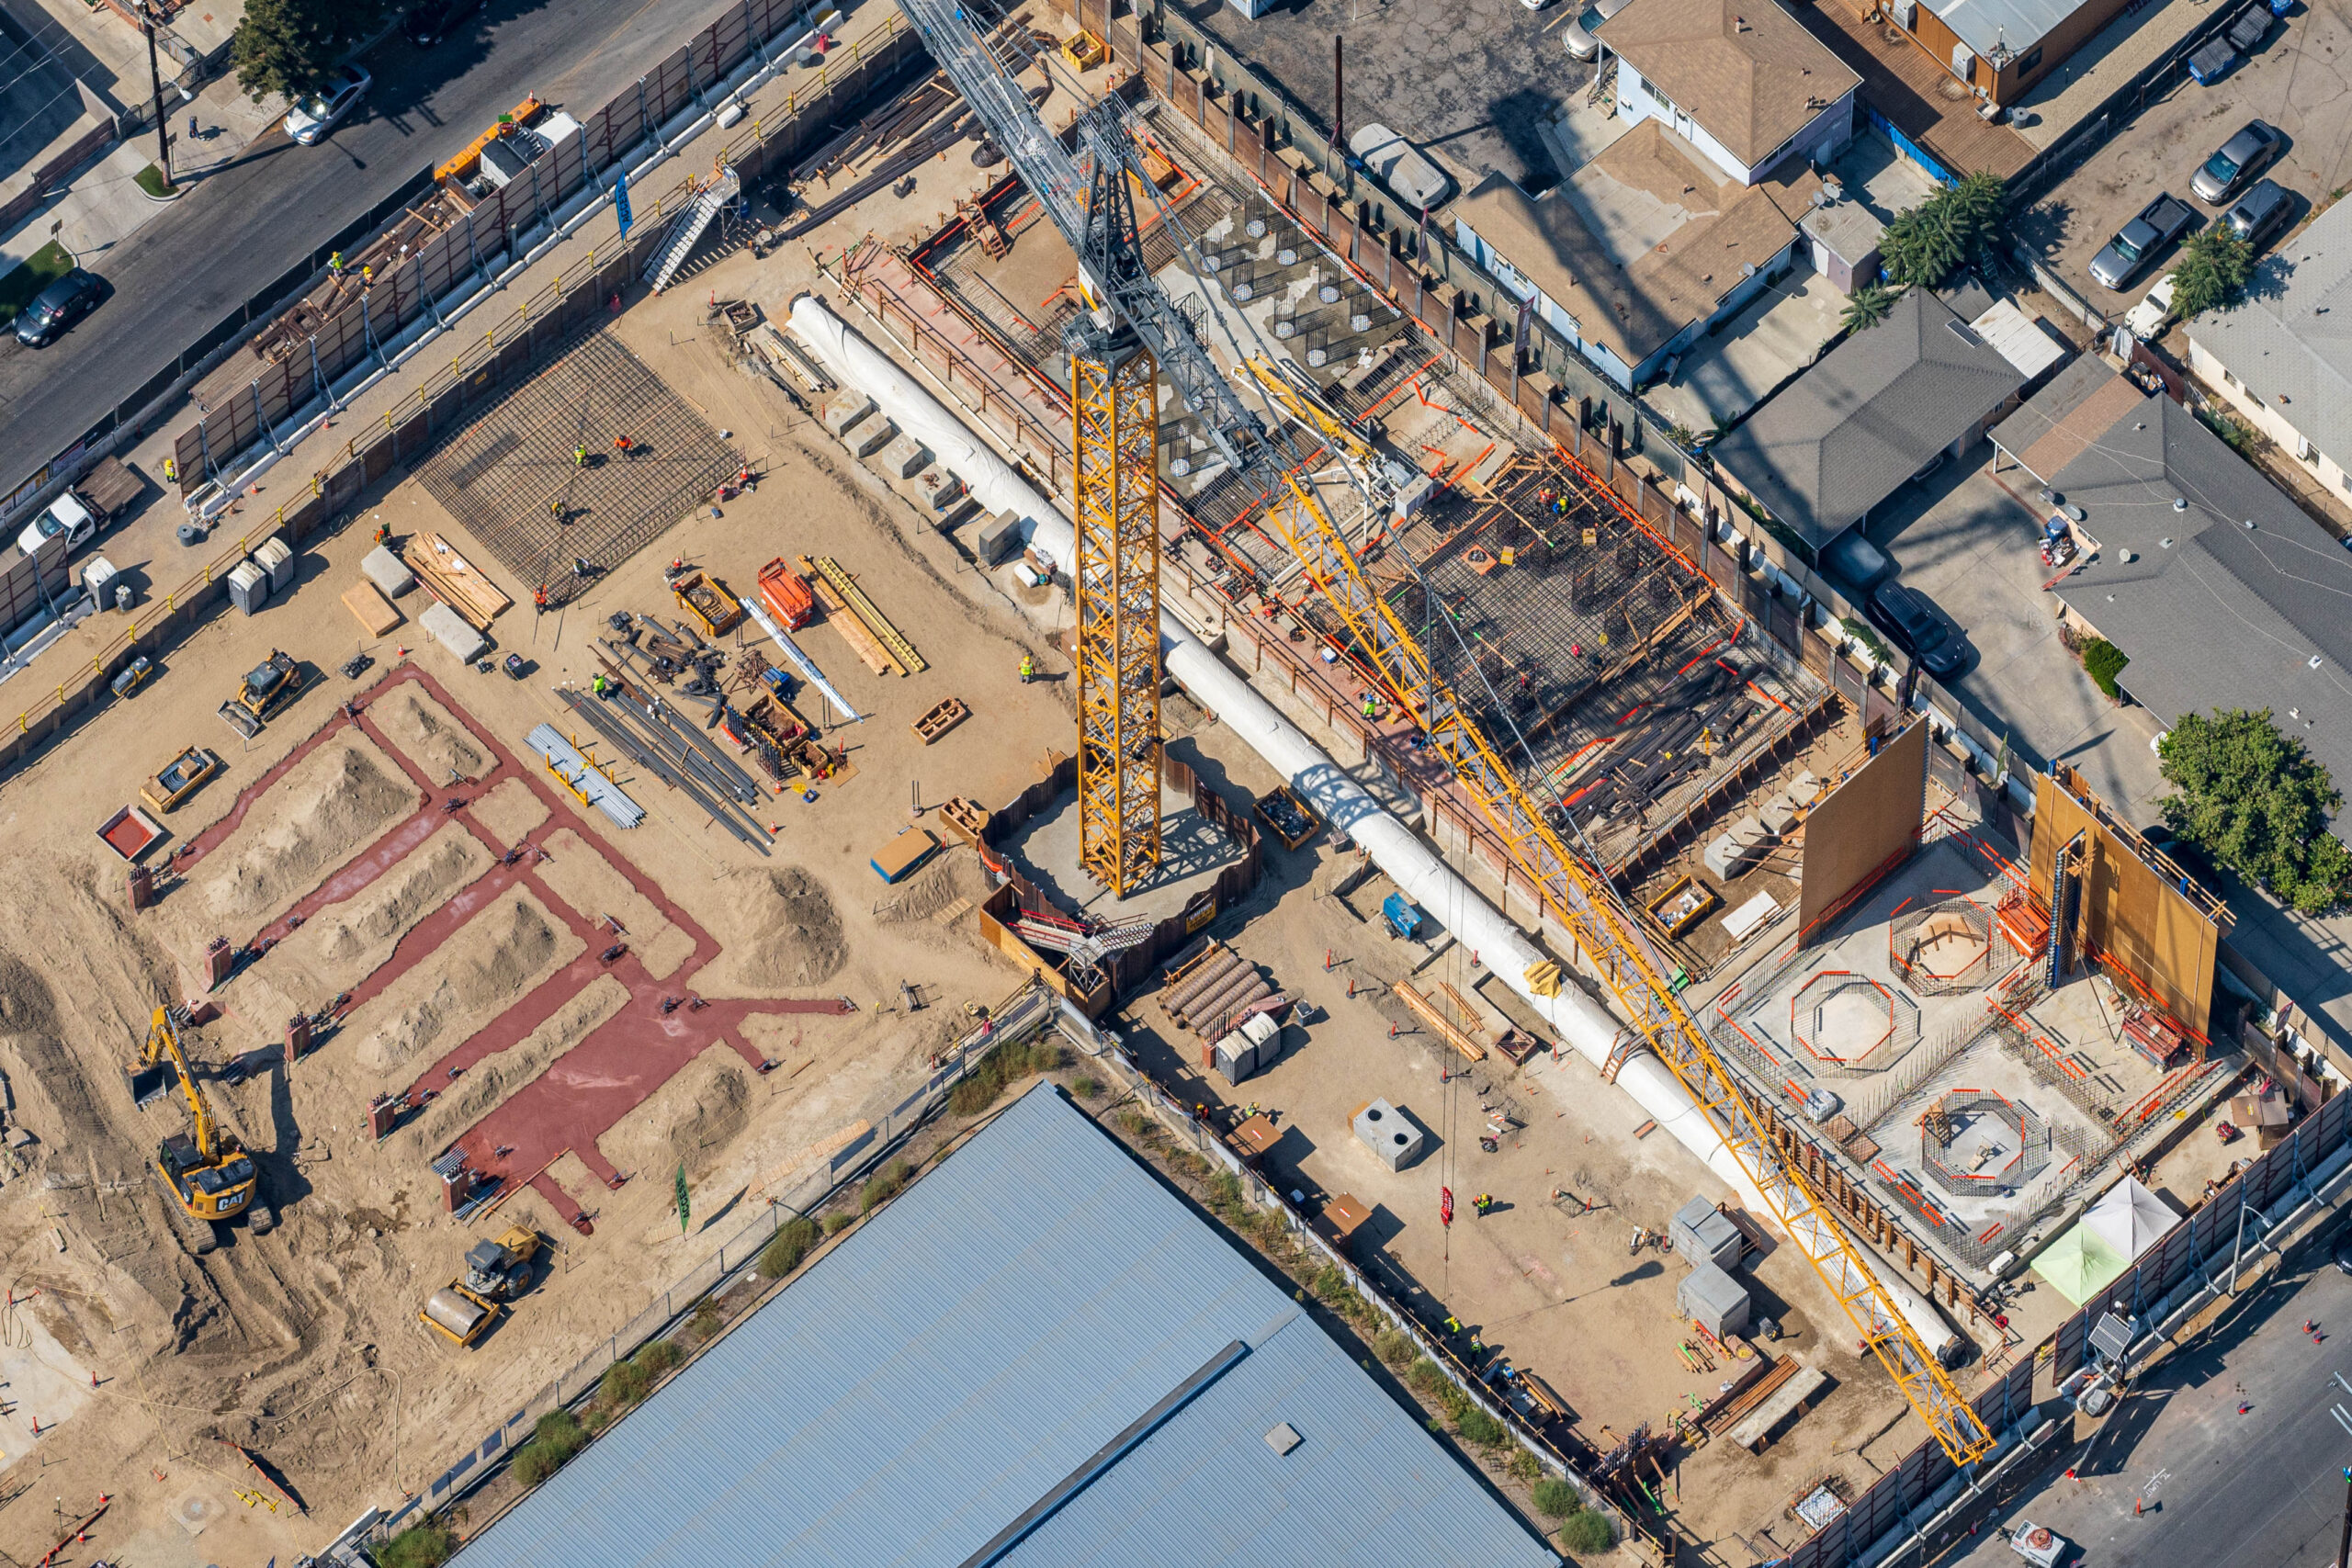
(1037, 1356)
(1985, 26)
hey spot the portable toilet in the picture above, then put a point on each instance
(248, 587)
(276, 557)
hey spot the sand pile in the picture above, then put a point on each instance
(488, 1082)
(325, 811)
(509, 811)
(578, 873)
(954, 875)
(793, 934)
(692, 1118)
(429, 734)
(367, 927)
(491, 964)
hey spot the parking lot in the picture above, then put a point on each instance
(1962, 540)
(2296, 81)
(1468, 81)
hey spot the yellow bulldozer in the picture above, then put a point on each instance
(208, 1178)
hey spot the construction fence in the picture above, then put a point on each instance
(539, 327)
(462, 257)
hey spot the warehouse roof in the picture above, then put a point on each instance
(2282, 340)
(2213, 614)
(1036, 1356)
(1874, 411)
(1748, 71)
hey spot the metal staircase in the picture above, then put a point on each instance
(692, 223)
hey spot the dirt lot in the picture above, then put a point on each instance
(2295, 81)
(133, 1356)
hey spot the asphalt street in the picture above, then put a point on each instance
(245, 224)
(2177, 1475)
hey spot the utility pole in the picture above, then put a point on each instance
(1338, 92)
(155, 78)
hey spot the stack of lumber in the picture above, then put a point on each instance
(1751, 1391)
(454, 581)
(878, 644)
(1427, 1011)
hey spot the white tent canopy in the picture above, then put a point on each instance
(2130, 1218)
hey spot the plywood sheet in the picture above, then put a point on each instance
(2132, 914)
(373, 611)
(1864, 823)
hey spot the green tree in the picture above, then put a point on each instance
(2212, 271)
(293, 46)
(2103, 662)
(2256, 801)
(1957, 224)
(426, 1545)
(1587, 1533)
(1555, 1498)
(1868, 307)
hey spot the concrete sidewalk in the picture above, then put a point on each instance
(103, 205)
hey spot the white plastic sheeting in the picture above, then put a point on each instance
(1582, 1024)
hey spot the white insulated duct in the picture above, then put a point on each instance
(1582, 1024)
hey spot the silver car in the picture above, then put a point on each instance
(2240, 158)
(1582, 38)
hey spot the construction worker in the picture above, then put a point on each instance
(367, 277)
(335, 264)
(599, 687)
(539, 599)
(555, 509)
(1452, 1324)
(624, 446)
(1028, 668)
(383, 533)
(171, 472)
(1371, 710)
(1482, 1202)
(580, 456)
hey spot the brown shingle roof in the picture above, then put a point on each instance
(1632, 310)
(1746, 70)
(2058, 424)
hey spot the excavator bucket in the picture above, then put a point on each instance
(148, 1083)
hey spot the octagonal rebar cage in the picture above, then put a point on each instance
(1976, 1142)
(1940, 949)
(1852, 1024)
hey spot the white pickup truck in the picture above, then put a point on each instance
(84, 507)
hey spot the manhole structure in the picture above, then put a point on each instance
(1940, 949)
(1977, 1143)
(1853, 1022)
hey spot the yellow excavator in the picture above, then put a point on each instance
(207, 1174)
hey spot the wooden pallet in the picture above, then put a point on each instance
(943, 716)
(455, 580)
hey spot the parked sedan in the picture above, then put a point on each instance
(2159, 223)
(2239, 159)
(1581, 37)
(57, 307)
(2260, 213)
(309, 121)
(430, 21)
(1906, 617)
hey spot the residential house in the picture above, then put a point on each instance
(1740, 80)
(2215, 585)
(1998, 48)
(1888, 402)
(2282, 357)
(1635, 255)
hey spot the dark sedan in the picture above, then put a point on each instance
(57, 307)
(1906, 617)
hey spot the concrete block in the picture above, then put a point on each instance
(1703, 1234)
(1779, 816)
(905, 458)
(387, 572)
(999, 538)
(871, 436)
(846, 408)
(940, 488)
(453, 632)
(1384, 1130)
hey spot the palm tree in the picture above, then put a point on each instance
(1867, 308)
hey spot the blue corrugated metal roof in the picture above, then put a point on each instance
(971, 1349)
